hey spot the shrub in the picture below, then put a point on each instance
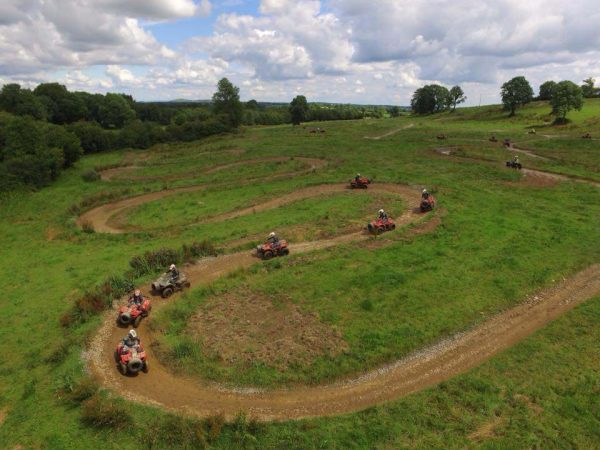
(175, 431)
(87, 227)
(90, 175)
(101, 412)
(214, 425)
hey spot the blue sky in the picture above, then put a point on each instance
(351, 51)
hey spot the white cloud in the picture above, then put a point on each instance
(157, 9)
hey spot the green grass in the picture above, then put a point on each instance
(498, 242)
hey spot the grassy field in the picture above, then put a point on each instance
(500, 239)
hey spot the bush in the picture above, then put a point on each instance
(154, 261)
(175, 431)
(87, 226)
(85, 389)
(101, 412)
(90, 175)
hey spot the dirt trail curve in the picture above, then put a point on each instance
(100, 217)
(390, 133)
(446, 359)
(442, 361)
(533, 173)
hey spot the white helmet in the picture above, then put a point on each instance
(137, 292)
(381, 211)
(172, 266)
(272, 234)
(358, 174)
(424, 190)
(132, 334)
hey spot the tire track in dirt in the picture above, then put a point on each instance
(389, 133)
(544, 175)
(418, 371)
(100, 217)
(448, 358)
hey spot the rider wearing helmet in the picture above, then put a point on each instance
(425, 194)
(383, 215)
(137, 298)
(131, 340)
(516, 159)
(174, 273)
(357, 177)
(273, 239)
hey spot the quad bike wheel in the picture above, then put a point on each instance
(145, 368)
(124, 318)
(135, 365)
(284, 252)
(267, 255)
(123, 369)
(117, 356)
(167, 292)
(137, 321)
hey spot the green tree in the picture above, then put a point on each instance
(546, 90)
(515, 93)
(62, 106)
(394, 111)
(299, 109)
(21, 102)
(226, 101)
(566, 96)
(115, 111)
(588, 88)
(429, 99)
(58, 137)
(456, 96)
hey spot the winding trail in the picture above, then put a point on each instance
(448, 358)
(389, 133)
(100, 216)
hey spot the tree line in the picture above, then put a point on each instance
(46, 130)
(563, 96)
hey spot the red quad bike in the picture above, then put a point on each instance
(361, 183)
(267, 250)
(379, 226)
(427, 204)
(514, 165)
(131, 360)
(133, 314)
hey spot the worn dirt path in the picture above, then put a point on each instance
(446, 359)
(390, 133)
(425, 368)
(100, 217)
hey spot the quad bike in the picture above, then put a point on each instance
(493, 139)
(133, 314)
(514, 165)
(586, 136)
(165, 286)
(268, 250)
(131, 359)
(442, 136)
(360, 183)
(427, 204)
(380, 226)
(507, 142)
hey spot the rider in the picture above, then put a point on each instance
(357, 177)
(425, 194)
(131, 340)
(383, 215)
(174, 273)
(137, 298)
(516, 159)
(273, 239)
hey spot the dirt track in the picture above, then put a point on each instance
(100, 217)
(389, 133)
(450, 357)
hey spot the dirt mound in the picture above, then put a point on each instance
(238, 327)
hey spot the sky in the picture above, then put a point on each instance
(344, 51)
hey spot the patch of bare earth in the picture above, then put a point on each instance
(242, 327)
(3, 414)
